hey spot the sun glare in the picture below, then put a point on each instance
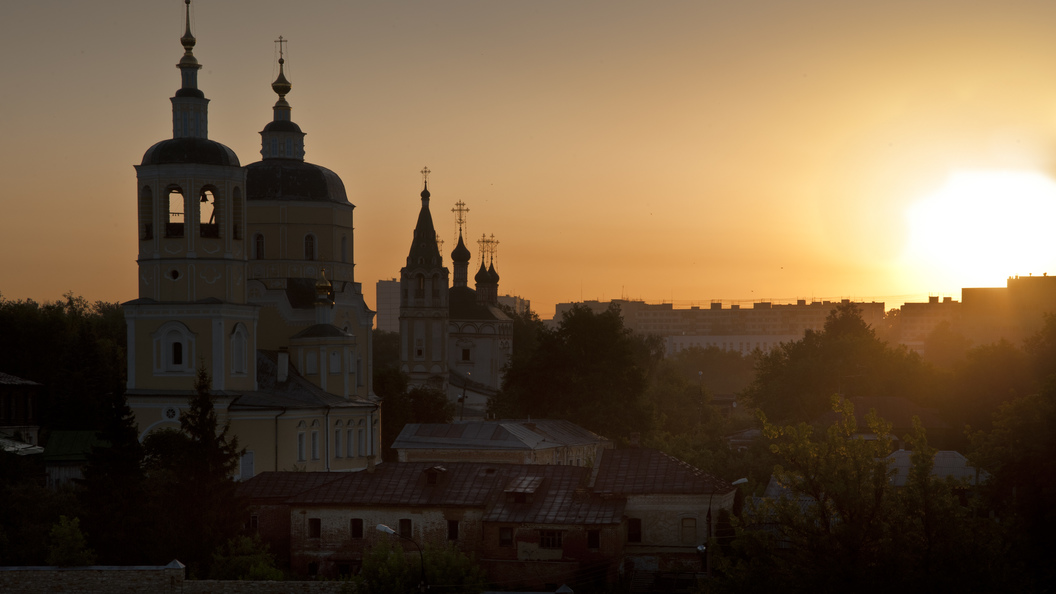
(982, 227)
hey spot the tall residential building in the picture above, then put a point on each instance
(388, 305)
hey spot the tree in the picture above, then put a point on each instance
(192, 482)
(114, 485)
(244, 558)
(420, 404)
(68, 546)
(389, 569)
(842, 525)
(794, 381)
(591, 370)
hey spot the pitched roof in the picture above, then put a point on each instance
(295, 392)
(7, 379)
(495, 435)
(559, 494)
(642, 471)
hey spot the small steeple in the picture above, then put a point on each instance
(190, 108)
(424, 251)
(281, 138)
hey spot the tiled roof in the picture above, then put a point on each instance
(295, 392)
(559, 494)
(7, 379)
(279, 486)
(495, 435)
(641, 471)
(946, 464)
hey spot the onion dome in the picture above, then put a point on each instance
(461, 253)
(283, 174)
(492, 275)
(482, 277)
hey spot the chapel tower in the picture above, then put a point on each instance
(424, 304)
(192, 308)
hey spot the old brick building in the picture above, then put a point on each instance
(525, 524)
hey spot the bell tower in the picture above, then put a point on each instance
(192, 307)
(424, 304)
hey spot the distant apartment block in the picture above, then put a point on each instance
(388, 305)
(918, 320)
(762, 326)
(1013, 312)
(519, 305)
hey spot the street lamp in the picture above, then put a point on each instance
(421, 557)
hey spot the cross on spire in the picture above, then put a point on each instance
(460, 211)
(281, 41)
(425, 174)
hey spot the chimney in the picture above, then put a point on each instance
(284, 365)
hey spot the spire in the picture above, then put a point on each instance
(281, 138)
(424, 251)
(190, 108)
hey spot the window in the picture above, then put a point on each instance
(300, 447)
(258, 246)
(405, 527)
(146, 212)
(452, 530)
(208, 226)
(355, 528)
(315, 528)
(174, 222)
(689, 530)
(309, 247)
(594, 539)
(239, 341)
(350, 444)
(313, 569)
(344, 248)
(177, 354)
(254, 524)
(337, 442)
(550, 539)
(634, 530)
(505, 537)
(246, 470)
(465, 354)
(362, 442)
(315, 445)
(335, 362)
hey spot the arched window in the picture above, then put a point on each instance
(258, 246)
(208, 221)
(175, 221)
(146, 213)
(173, 349)
(236, 213)
(309, 247)
(239, 342)
(344, 248)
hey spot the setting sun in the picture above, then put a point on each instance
(983, 226)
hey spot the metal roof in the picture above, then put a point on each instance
(641, 471)
(495, 435)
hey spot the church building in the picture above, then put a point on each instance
(455, 339)
(247, 272)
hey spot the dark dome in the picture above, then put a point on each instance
(190, 150)
(482, 277)
(461, 252)
(282, 126)
(494, 275)
(291, 179)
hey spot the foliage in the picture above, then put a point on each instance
(390, 569)
(76, 350)
(841, 524)
(28, 509)
(1020, 454)
(794, 381)
(244, 558)
(68, 546)
(114, 485)
(591, 370)
(420, 404)
(191, 483)
(945, 347)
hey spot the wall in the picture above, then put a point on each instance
(146, 579)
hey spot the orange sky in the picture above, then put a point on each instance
(682, 151)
